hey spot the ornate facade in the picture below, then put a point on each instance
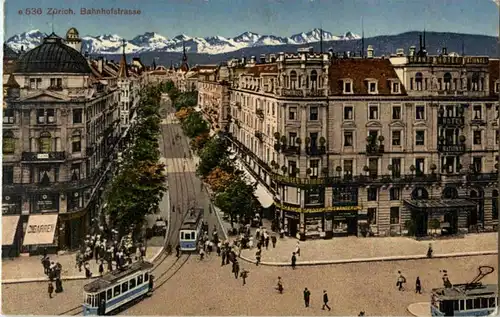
(61, 127)
(213, 95)
(370, 145)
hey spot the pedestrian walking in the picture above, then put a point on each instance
(266, 242)
(101, 268)
(178, 250)
(236, 269)
(307, 297)
(429, 251)
(50, 289)
(325, 301)
(280, 285)
(257, 257)
(59, 288)
(297, 249)
(88, 274)
(273, 241)
(418, 286)
(224, 254)
(294, 260)
(219, 245)
(400, 282)
(244, 275)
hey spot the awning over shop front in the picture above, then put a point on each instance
(263, 196)
(9, 228)
(40, 229)
(451, 204)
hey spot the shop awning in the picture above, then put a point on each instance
(439, 203)
(40, 229)
(263, 196)
(9, 228)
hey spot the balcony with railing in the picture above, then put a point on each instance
(361, 180)
(22, 188)
(316, 150)
(43, 157)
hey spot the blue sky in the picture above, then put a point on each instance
(230, 18)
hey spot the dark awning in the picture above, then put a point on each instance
(439, 203)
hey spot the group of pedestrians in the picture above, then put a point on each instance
(53, 271)
(401, 281)
(307, 299)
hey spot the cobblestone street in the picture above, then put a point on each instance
(351, 288)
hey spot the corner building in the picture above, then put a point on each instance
(60, 131)
(379, 146)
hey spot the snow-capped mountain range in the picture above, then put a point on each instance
(154, 42)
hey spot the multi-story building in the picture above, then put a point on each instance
(213, 95)
(370, 145)
(60, 130)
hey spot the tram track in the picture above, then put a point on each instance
(185, 191)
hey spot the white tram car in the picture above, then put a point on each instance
(191, 230)
(117, 288)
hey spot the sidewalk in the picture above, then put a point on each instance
(29, 269)
(354, 249)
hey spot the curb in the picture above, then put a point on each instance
(410, 309)
(377, 259)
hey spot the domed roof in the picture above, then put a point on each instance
(53, 56)
(72, 33)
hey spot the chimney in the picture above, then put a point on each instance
(412, 51)
(262, 59)
(400, 52)
(272, 58)
(99, 64)
(444, 52)
(369, 51)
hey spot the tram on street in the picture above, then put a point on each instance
(191, 230)
(117, 288)
(471, 299)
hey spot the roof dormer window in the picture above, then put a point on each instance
(372, 87)
(347, 86)
(395, 87)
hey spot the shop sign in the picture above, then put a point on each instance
(46, 203)
(40, 228)
(314, 210)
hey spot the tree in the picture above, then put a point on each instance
(140, 184)
(199, 142)
(183, 113)
(237, 200)
(215, 153)
(186, 100)
(218, 179)
(194, 125)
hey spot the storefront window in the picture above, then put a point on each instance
(45, 142)
(314, 223)
(394, 215)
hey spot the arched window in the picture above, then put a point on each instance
(45, 142)
(494, 205)
(450, 193)
(9, 143)
(314, 79)
(419, 78)
(76, 142)
(447, 81)
(293, 80)
(419, 193)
